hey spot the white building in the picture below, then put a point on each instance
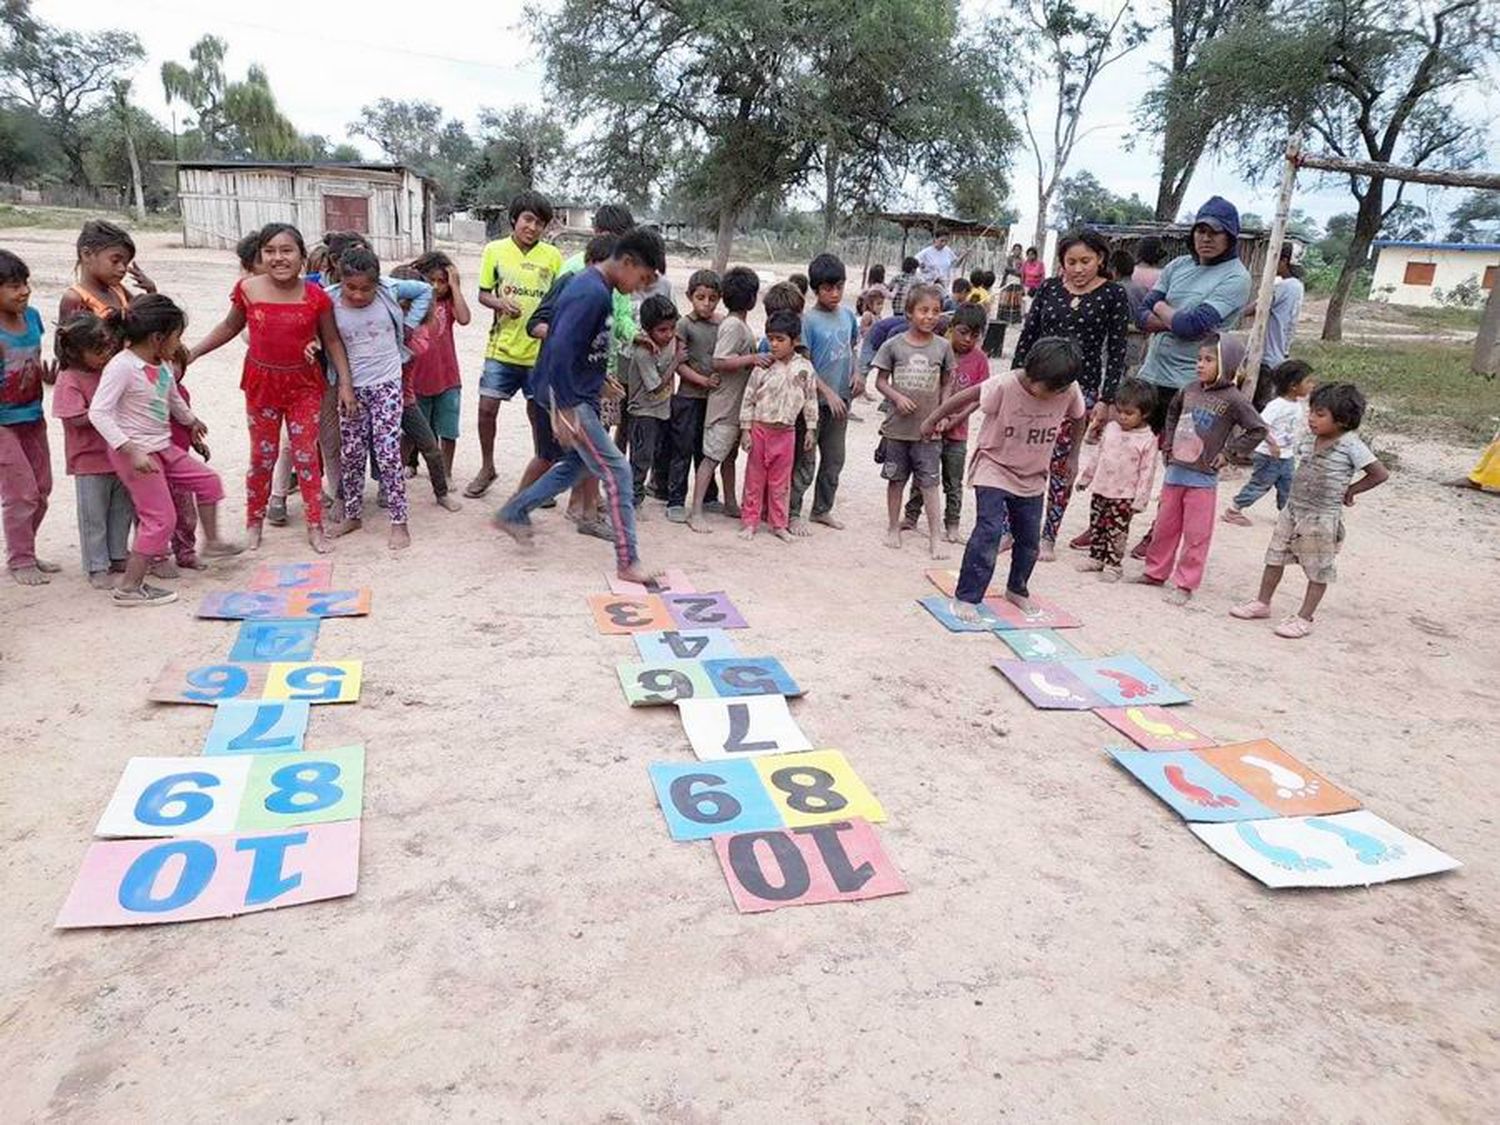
(1421, 273)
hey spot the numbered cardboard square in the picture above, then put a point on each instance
(750, 675)
(1044, 614)
(701, 800)
(328, 603)
(258, 727)
(145, 882)
(337, 681)
(670, 582)
(938, 605)
(1049, 685)
(740, 728)
(209, 684)
(318, 787)
(838, 862)
(619, 614)
(663, 682)
(269, 639)
(1125, 680)
(1279, 781)
(1192, 788)
(1353, 849)
(685, 644)
(703, 611)
(1037, 644)
(260, 604)
(816, 787)
(1155, 728)
(292, 576)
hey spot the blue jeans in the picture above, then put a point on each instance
(598, 456)
(1269, 472)
(999, 512)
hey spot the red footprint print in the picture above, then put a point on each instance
(1196, 793)
(1130, 687)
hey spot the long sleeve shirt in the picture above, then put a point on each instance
(1097, 321)
(1122, 465)
(136, 403)
(775, 395)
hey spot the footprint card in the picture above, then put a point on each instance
(947, 583)
(670, 582)
(1044, 614)
(1049, 685)
(1123, 680)
(1278, 780)
(1037, 644)
(1155, 728)
(1353, 849)
(1192, 788)
(938, 606)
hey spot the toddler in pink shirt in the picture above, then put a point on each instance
(1121, 467)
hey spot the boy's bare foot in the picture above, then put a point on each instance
(221, 548)
(799, 528)
(480, 484)
(747, 533)
(164, 568)
(967, 612)
(252, 537)
(950, 533)
(697, 523)
(101, 580)
(828, 519)
(1047, 552)
(29, 576)
(782, 533)
(348, 527)
(1237, 517)
(935, 549)
(1020, 601)
(48, 567)
(638, 573)
(447, 501)
(893, 539)
(318, 540)
(520, 532)
(400, 537)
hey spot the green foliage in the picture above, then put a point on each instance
(415, 133)
(1476, 218)
(1081, 200)
(108, 159)
(232, 119)
(1406, 222)
(519, 150)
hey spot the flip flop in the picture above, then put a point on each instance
(475, 489)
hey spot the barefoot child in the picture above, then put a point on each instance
(84, 344)
(1310, 529)
(25, 460)
(831, 333)
(699, 332)
(435, 373)
(1285, 417)
(775, 397)
(1200, 421)
(569, 377)
(282, 378)
(736, 354)
(649, 385)
(1024, 410)
(1121, 467)
(913, 372)
(132, 409)
(106, 256)
(970, 368)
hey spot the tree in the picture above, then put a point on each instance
(107, 127)
(121, 106)
(414, 133)
(1406, 222)
(1476, 219)
(234, 119)
(520, 150)
(1075, 48)
(58, 75)
(1081, 200)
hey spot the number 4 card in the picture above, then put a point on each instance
(838, 862)
(740, 728)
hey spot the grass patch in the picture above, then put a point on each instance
(1413, 388)
(1442, 317)
(71, 218)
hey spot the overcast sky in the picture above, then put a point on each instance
(326, 60)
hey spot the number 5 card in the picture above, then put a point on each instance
(337, 681)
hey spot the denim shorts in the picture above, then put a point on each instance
(442, 411)
(502, 380)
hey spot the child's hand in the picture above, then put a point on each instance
(857, 387)
(310, 353)
(904, 405)
(645, 341)
(1349, 495)
(612, 387)
(745, 440)
(809, 441)
(138, 275)
(141, 461)
(507, 307)
(48, 371)
(714, 380)
(836, 406)
(761, 359)
(198, 429)
(453, 277)
(348, 402)
(1219, 462)
(200, 447)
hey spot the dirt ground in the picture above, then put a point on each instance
(527, 944)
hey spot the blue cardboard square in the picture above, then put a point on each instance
(1192, 788)
(685, 644)
(937, 605)
(266, 641)
(258, 726)
(1037, 644)
(703, 799)
(751, 675)
(1125, 681)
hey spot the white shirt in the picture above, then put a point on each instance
(1286, 421)
(936, 265)
(1281, 324)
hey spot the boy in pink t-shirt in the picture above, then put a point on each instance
(1024, 413)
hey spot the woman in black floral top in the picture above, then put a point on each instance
(1094, 312)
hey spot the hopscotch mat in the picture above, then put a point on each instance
(1353, 849)
(1088, 684)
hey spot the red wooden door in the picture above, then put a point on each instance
(346, 212)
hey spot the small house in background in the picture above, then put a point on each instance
(223, 200)
(1423, 273)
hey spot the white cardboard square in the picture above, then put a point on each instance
(741, 728)
(217, 780)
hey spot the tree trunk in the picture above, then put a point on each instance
(724, 244)
(1366, 227)
(830, 193)
(1487, 345)
(136, 185)
(1039, 235)
(1173, 183)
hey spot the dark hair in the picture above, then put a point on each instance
(1287, 375)
(1344, 403)
(340, 242)
(1085, 236)
(1031, 250)
(533, 201)
(318, 259)
(918, 293)
(657, 310)
(406, 272)
(1121, 263)
(740, 286)
(600, 247)
(1054, 362)
(825, 269)
(970, 316)
(147, 315)
(783, 297)
(645, 246)
(12, 269)
(247, 250)
(703, 279)
(101, 234)
(360, 260)
(976, 277)
(961, 286)
(909, 265)
(1150, 252)
(434, 261)
(799, 280)
(82, 332)
(939, 232)
(989, 279)
(784, 322)
(613, 218)
(875, 274)
(1136, 393)
(271, 230)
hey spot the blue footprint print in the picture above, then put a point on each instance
(1285, 858)
(1367, 849)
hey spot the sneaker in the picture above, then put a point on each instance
(1082, 542)
(548, 503)
(145, 595)
(276, 512)
(1177, 596)
(599, 529)
(1294, 628)
(1088, 565)
(677, 513)
(1254, 610)
(1111, 574)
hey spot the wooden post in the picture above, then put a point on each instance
(1257, 345)
(1487, 345)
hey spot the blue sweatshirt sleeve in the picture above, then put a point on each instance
(1143, 311)
(581, 311)
(1193, 323)
(418, 293)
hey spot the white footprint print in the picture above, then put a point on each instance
(1048, 688)
(1044, 646)
(1289, 783)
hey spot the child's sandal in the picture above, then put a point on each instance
(1294, 628)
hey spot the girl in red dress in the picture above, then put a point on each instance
(283, 379)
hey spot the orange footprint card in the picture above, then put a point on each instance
(1278, 780)
(1155, 728)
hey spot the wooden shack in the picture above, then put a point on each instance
(223, 200)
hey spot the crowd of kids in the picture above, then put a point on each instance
(628, 398)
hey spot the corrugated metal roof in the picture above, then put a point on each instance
(1484, 247)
